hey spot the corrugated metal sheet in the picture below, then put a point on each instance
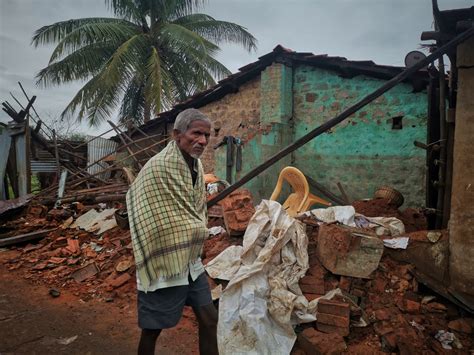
(43, 162)
(96, 149)
(21, 168)
(5, 141)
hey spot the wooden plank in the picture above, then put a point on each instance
(24, 237)
(343, 115)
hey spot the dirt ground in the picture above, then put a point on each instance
(34, 322)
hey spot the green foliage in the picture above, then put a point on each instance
(35, 184)
(155, 53)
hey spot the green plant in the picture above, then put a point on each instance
(155, 53)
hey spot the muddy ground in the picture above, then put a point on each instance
(34, 322)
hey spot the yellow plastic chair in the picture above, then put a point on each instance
(300, 199)
(312, 200)
(296, 200)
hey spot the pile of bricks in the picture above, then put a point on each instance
(237, 210)
(385, 312)
(333, 316)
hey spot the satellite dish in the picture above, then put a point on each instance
(414, 57)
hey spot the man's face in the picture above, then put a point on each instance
(195, 139)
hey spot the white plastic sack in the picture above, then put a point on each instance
(263, 300)
(226, 264)
(341, 214)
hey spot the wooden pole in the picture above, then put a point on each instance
(343, 115)
(125, 144)
(56, 153)
(130, 140)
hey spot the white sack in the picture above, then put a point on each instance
(263, 299)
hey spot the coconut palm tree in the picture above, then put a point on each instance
(155, 53)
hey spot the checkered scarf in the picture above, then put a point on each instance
(167, 216)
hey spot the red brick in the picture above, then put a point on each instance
(326, 328)
(382, 314)
(312, 284)
(334, 307)
(389, 341)
(379, 285)
(332, 319)
(317, 270)
(463, 325)
(436, 307)
(119, 281)
(317, 343)
(411, 306)
(345, 283)
(311, 296)
(383, 328)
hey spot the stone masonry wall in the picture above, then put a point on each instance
(365, 151)
(237, 114)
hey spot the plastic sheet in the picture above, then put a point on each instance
(263, 300)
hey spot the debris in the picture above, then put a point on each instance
(427, 299)
(85, 272)
(237, 209)
(14, 204)
(349, 252)
(446, 339)
(67, 341)
(341, 214)
(119, 281)
(463, 325)
(96, 222)
(396, 243)
(333, 317)
(318, 343)
(25, 237)
(216, 230)
(67, 222)
(121, 218)
(54, 292)
(433, 237)
(124, 265)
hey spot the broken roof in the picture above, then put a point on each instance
(280, 54)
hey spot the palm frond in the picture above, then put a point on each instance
(79, 65)
(92, 33)
(153, 85)
(219, 31)
(133, 102)
(57, 31)
(181, 39)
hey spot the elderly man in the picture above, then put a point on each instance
(167, 213)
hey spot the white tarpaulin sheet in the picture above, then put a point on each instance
(263, 299)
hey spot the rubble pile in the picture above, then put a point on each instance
(377, 303)
(89, 265)
(401, 314)
(412, 218)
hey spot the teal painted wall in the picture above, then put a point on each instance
(362, 153)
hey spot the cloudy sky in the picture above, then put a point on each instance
(380, 30)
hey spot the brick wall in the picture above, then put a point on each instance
(365, 151)
(238, 115)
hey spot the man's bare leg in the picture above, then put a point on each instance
(207, 319)
(148, 341)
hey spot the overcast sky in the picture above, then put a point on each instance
(380, 30)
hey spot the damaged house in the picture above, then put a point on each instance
(270, 103)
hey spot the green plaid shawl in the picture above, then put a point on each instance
(167, 216)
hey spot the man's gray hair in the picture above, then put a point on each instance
(184, 119)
